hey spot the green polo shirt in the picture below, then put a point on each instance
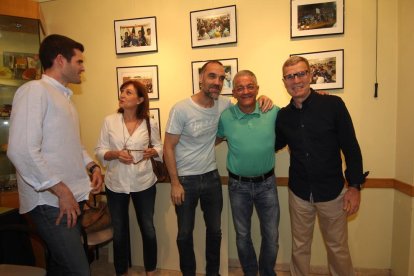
(250, 139)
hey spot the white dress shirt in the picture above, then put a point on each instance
(119, 177)
(44, 144)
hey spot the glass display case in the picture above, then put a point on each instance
(19, 63)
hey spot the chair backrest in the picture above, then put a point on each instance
(21, 245)
(96, 224)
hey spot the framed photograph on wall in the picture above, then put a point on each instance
(136, 35)
(230, 69)
(155, 114)
(213, 26)
(147, 75)
(316, 17)
(326, 69)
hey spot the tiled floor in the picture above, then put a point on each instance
(102, 268)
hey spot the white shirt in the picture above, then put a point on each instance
(44, 144)
(119, 177)
(197, 126)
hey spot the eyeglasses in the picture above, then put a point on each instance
(136, 155)
(300, 75)
(250, 88)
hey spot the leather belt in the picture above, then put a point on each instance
(258, 178)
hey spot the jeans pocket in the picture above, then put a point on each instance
(234, 185)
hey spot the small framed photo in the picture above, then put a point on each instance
(316, 17)
(326, 69)
(230, 69)
(213, 26)
(136, 35)
(155, 114)
(147, 75)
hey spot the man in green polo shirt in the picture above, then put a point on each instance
(250, 135)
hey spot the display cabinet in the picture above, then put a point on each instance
(19, 63)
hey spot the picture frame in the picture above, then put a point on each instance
(129, 37)
(316, 17)
(231, 67)
(214, 26)
(147, 75)
(155, 114)
(327, 69)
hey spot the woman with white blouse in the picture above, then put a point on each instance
(123, 149)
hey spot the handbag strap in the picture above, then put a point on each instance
(149, 132)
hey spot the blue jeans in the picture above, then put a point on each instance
(144, 209)
(67, 255)
(263, 196)
(206, 188)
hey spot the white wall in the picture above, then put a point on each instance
(263, 45)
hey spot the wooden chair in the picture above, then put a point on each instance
(97, 236)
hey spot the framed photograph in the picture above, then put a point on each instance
(326, 69)
(147, 75)
(136, 35)
(21, 66)
(230, 69)
(155, 114)
(213, 26)
(316, 17)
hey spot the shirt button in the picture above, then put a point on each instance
(302, 125)
(307, 154)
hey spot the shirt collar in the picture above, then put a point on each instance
(66, 91)
(305, 102)
(240, 114)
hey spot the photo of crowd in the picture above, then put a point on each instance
(317, 16)
(135, 36)
(323, 70)
(211, 27)
(145, 80)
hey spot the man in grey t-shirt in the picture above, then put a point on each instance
(189, 156)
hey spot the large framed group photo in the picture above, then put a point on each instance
(326, 69)
(136, 35)
(230, 69)
(316, 17)
(213, 26)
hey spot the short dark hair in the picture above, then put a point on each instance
(143, 108)
(55, 44)
(203, 68)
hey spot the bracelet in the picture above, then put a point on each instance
(93, 168)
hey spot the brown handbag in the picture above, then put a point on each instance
(95, 217)
(158, 167)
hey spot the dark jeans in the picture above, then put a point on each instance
(206, 188)
(67, 255)
(144, 209)
(263, 196)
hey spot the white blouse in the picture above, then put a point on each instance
(119, 177)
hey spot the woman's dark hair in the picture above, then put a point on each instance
(55, 44)
(143, 108)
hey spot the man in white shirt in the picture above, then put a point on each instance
(51, 163)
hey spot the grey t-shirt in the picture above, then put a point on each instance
(197, 126)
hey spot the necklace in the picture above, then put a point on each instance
(123, 131)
